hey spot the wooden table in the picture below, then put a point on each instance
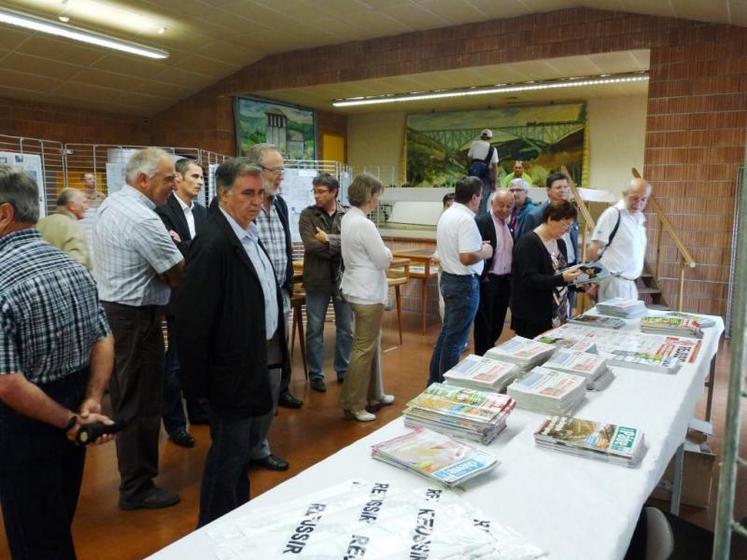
(424, 257)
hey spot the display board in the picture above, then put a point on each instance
(31, 164)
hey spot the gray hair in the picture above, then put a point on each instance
(67, 196)
(21, 191)
(229, 170)
(144, 161)
(497, 192)
(363, 188)
(521, 183)
(182, 165)
(256, 154)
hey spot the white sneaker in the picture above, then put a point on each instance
(360, 415)
(386, 400)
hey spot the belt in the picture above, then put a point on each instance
(500, 275)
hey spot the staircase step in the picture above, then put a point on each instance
(648, 290)
(646, 274)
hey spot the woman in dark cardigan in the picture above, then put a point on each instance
(539, 288)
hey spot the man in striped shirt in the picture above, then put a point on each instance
(56, 356)
(137, 263)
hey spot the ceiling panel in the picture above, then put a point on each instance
(24, 80)
(210, 39)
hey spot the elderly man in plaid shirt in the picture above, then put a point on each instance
(56, 356)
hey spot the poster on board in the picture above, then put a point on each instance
(32, 165)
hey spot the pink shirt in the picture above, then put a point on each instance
(504, 246)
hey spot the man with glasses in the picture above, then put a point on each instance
(137, 265)
(274, 234)
(319, 226)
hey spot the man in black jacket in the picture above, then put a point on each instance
(183, 219)
(495, 280)
(228, 309)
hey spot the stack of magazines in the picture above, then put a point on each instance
(598, 321)
(477, 372)
(434, 456)
(460, 412)
(669, 324)
(620, 307)
(592, 367)
(548, 391)
(704, 322)
(633, 359)
(608, 442)
(521, 351)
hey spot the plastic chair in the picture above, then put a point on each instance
(659, 536)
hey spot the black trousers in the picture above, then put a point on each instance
(40, 478)
(495, 293)
(136, 391)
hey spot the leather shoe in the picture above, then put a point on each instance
(182, 438)
(341, 378)
(199, 421)
(289, 401)
(271, 463)
(155, 498)
(318, 385)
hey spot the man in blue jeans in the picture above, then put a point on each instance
(462, 252)
(319, 226)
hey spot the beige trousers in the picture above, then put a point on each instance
(363, 379)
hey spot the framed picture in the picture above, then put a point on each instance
(292, 129)
(543, 137)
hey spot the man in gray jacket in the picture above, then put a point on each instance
(319, 226)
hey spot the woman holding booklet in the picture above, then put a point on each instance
(539, 285)
(364, 285)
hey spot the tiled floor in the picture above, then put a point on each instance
(304, 437)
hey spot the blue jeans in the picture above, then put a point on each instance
(461, 298)
(316, 312)
(225, 481)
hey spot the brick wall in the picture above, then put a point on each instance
(65, 124)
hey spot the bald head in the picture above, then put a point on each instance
(501, 203)
(636, 195)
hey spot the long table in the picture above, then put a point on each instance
(572, 507)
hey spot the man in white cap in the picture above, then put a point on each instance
(484, 164)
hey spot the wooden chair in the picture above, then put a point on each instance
(396, 277)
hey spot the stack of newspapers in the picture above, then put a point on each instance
(477, 372)
(648, 361)
(598, 321)
(592, 367)
(459, 411)
(523, 352)
(608, 442)
(669, 324)
(435, 456)
(548, 391)
(620, 307)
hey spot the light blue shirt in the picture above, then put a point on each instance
(250, 241)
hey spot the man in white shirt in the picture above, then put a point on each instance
(484, 164)
(137, 265)
(183, 219)
(619, 242)
(461, 250)
(495, 281)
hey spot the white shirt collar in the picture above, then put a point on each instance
(181, 203)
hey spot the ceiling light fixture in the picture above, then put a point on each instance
(78, 34)
(533, 85)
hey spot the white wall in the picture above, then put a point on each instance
(617, 128)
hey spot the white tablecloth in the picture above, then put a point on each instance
(572, 507)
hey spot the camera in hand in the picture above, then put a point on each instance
(89, 433)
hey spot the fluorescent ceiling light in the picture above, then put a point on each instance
(487, 90)
(78, 34)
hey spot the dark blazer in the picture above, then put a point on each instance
(172, 216)
(487, 232)
(533, 279)
(322, 262)
(220, 321)
(534, 218)
(282, 209)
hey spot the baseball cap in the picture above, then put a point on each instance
(487, 133)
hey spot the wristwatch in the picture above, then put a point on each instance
(70, 423)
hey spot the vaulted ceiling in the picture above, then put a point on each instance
(211, 39)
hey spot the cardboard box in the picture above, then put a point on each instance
(697, 477)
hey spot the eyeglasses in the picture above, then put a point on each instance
(276, 170)
(319, 191)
